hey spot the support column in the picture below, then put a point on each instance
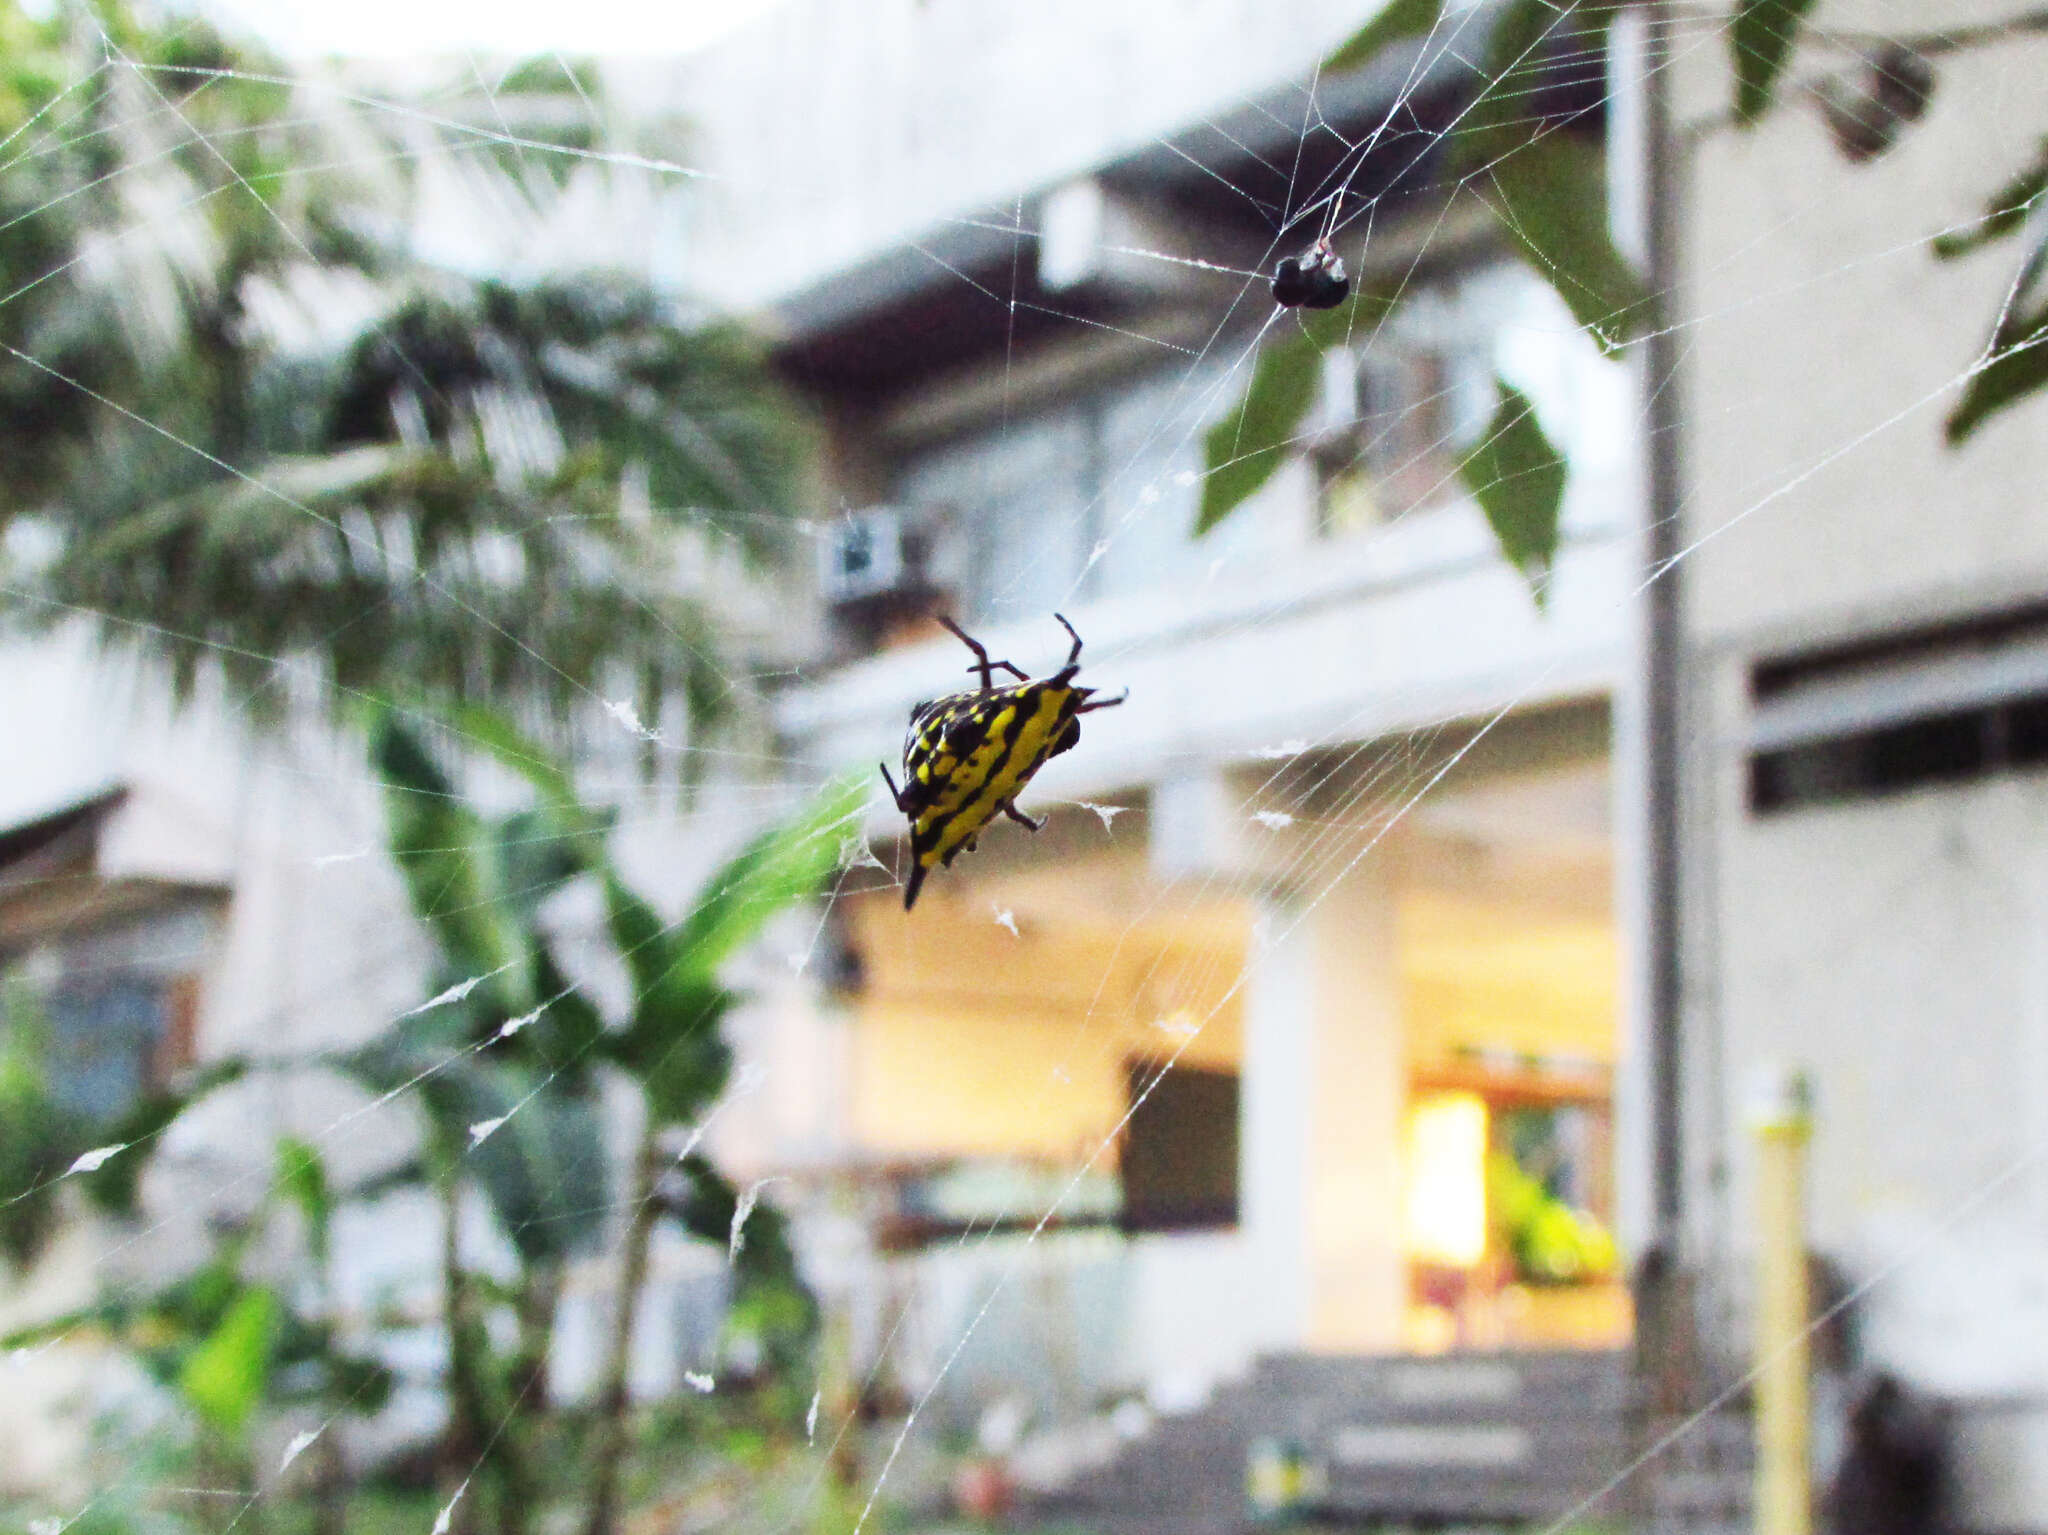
(1358, 1075)
(1323, 1083)
(1276, 1100)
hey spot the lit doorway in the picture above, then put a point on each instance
(1509, 977)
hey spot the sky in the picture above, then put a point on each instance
(387, 27)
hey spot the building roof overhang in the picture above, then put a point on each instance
(53, 881)
(1230, 188)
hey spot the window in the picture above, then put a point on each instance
(926, 1202)
(1399, 407)
(1932, 706)
(116, 1004)
(1178, 1154)
(1085, 491)
(114, 1038)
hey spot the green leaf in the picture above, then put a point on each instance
(84, 1325)
(780, 866)
(557, 839)
(493, 733)
(302, 1178)
(1552, 205)
(1532, 44)
(1247, 447)
(569, 1027)
(543, 1167)
(226, 1375)
(445, 855)
(770, 1303)
(707, 1209)
(538, 851)
(673, 1044)
(1761, 38)
(1396, 21)
(355, 1383)
(1549, 179)
(783, 865)
(2018, 368)
(2005, 214)
(677, 1051)
(539, 104)
(1518, 478)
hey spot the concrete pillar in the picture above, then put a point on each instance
(1275, 1096)
(1323, 1082)
(1358, 1079)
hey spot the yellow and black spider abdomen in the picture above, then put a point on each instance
(967, 756)
(984, 751)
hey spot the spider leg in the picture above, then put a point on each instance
(1103, 703)
(982, 663)
(895, 793)
(1022, 819)
(1004, 666)
(1074, 655)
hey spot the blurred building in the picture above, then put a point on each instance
(1000, 276)
(1356, 859)
(1864, 801)
(1345, 861)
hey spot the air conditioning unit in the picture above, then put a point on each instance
(863, 556)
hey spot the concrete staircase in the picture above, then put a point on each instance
(1701, 1484)
(1505, 1438)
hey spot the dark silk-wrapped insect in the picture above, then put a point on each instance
(1313, 280)
(967, 756)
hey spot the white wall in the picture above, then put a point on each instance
(1893, 946)
(1824, 344)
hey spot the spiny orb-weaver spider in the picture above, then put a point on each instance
(968, 755)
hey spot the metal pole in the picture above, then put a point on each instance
(1663, 640)
(1784, 1494)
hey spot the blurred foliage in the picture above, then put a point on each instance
(671, 1047)
(505, 1062)
(1549, 1240)
(1529, 1185)
(2016, 360)
(38, 1140)
(1517, 476)
(225, 1341)
(228, 1371)
(1544, 178)
(502, 1064)
(1760, 39)
(251, 428)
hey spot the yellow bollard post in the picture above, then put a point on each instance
(1783, 1125)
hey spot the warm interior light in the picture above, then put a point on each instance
(1443, 1198)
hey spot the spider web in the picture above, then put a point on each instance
(1380, 784)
